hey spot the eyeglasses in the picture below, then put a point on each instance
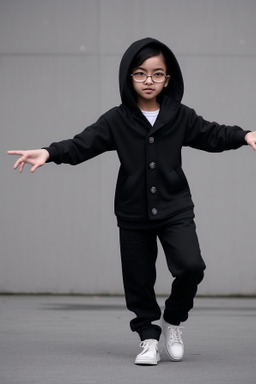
(141, 77)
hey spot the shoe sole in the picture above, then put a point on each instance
(146, 362)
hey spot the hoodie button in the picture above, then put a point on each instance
(154, 211)
(153, 190)
(152, 165)
(151, 140)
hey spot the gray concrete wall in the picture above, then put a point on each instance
(58, 72)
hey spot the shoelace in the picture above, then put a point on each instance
(176, 333)
(149, 344)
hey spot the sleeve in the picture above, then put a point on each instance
(94, 140)
(211, 136)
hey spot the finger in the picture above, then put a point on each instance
(18, 162)
(253, 145)
(35, 167)
(22, 166)
(15, 153)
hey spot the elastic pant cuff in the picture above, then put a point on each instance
(153, 332)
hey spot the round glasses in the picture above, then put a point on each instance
(141, 77)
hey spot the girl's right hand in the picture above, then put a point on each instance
(36, 157)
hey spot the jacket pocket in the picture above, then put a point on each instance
(125, 187)
(177, 181)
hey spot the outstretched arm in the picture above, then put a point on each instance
(36, 157)
(214, 137)
(250, 138)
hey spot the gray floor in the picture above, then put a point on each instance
(78, 340)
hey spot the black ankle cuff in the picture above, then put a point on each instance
(151, 332)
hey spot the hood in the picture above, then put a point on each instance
(171, 96)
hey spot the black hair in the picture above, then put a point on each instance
(147, 52)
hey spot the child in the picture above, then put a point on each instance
(152, 196)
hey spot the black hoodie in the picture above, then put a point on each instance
(151, 184)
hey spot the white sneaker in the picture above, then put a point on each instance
(150, 354)
(173, 341)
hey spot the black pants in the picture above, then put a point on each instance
(138, 254)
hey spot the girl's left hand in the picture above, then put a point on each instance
(250, 138)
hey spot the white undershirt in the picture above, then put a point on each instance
(151, 115)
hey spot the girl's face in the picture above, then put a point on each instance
(149, 89)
